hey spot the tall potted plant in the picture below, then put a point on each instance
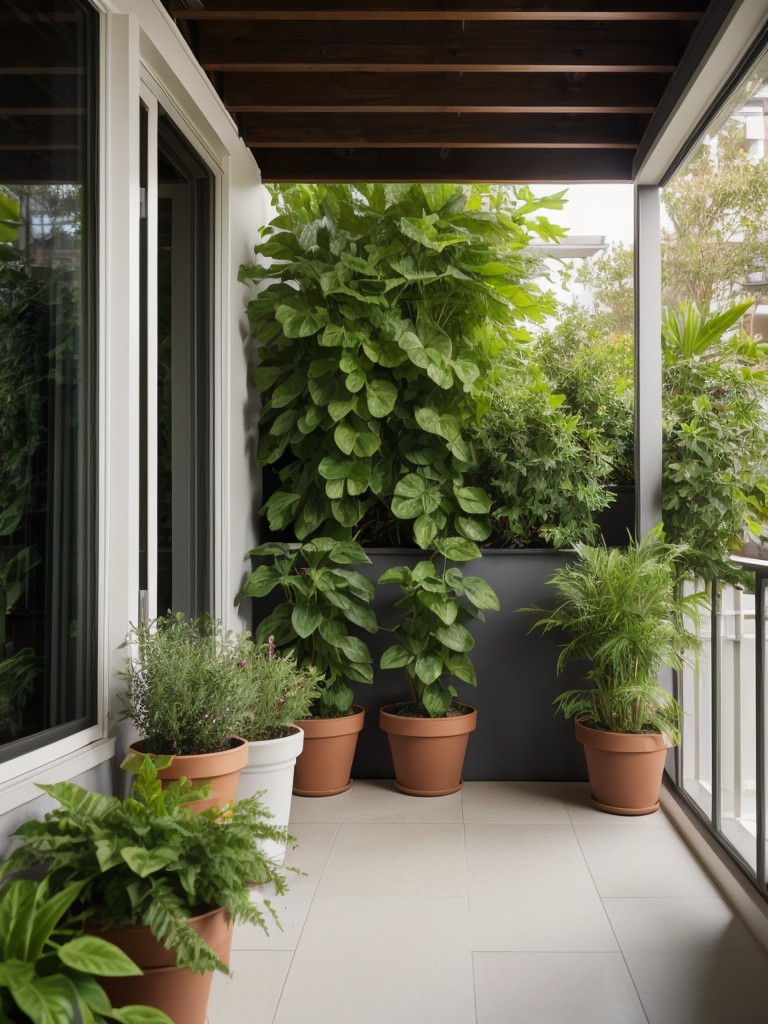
(322, 600)
(159, 881)
(184, 695)
(428, 734)
(275, 694)
(622, 611)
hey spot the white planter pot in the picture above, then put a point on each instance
(269, 775)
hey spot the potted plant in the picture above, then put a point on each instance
(161, 882)
(49, 969)
(622, 611)
(275, 694)
(184, 695)
(428, 734)
(322, 600)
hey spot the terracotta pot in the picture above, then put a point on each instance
(180, 993)
(428, 753)
(625, 769)
(269, 775)
(325, 764)
(221, 769)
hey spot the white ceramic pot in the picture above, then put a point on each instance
(269, 772)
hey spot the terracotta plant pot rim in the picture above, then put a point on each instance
(603, 740)
(405, 725)
(341, 726)
(220, 762)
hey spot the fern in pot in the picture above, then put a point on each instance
(624, 613)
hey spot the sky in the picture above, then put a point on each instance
(595, 210)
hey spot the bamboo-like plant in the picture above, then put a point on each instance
(621, 610)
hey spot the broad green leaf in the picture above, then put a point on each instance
(397, 574)
(332, 468)
(49, 1000)
(355, 381)
(473, 500)
(140, 1015)
(446, 610)
(458, 549)
(381, 396)
(299, 321)
(338, 409)
(15, 973)
(456, 637)
(473, 529)
(92, 955)
(345, 436)
(366, 444)
(305, 619)
(425, 529)
(395, 657)
(355, 649)
(428, 668)
(145, 862)
(262, 581)
(480, 593)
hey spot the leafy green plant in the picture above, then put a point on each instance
(622, 611)
(185, 691)
(380, 309)
(322, 599)
(433, 641)
(275, 692)
(715, 422)
(545, 468)
(151, 860)
(49, 970)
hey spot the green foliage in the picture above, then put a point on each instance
(187, 683)
(432, 639)
(274, 692)
(322, 600)
(150, 860)
(381, 309)
(622, 611)
(49, 969)
(544, 466)
(592, 365)
(715, 423)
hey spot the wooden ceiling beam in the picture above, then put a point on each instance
(399, 131)
(431, 93)
(437, 10)
(452, 46)
(504, 166)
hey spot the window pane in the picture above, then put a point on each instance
(47, 372)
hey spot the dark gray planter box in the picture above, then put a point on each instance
(518, 735)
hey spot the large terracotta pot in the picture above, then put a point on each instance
(428, 753)
(625, 769)
(221, 769)
(324, 766)
(269, 775)
(180, 993)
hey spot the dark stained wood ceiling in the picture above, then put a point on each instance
(440, 90)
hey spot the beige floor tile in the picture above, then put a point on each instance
(381, 961)
(396, 860)
(692, 961)
(513, 802)
(319, 808)
(377, 800)
(641, 861)
(252, 989)
(529, 889)
(314, 845)
(555, 988)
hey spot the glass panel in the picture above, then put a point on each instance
(695, 682)
(47, 372)
(738, 751)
